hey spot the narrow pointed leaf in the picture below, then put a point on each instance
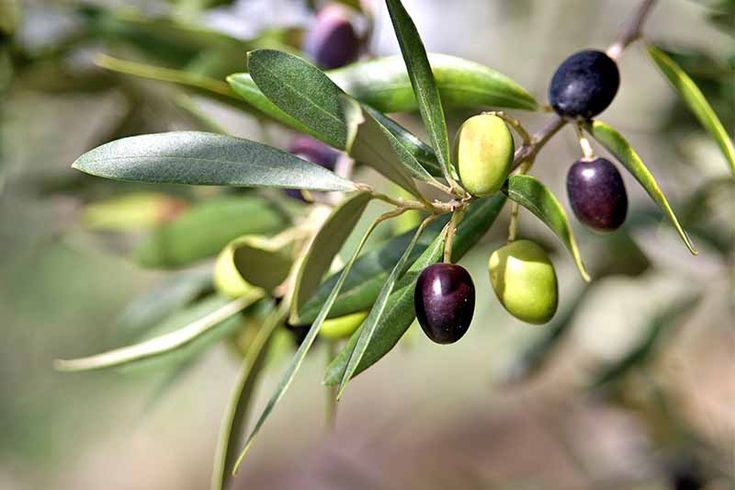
(422, 80)
(324, 248)
(236, 414)
(399, 311)
(695, 100)
(161, 345)
(537, 198)
(384, 85)
(198, 158)
(368, 328)
(616, 144)
(301, 90)
(298, 358)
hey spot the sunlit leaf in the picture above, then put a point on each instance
(695, 100)
(625, 154)
(537, 198)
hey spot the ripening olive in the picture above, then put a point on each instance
(484, 154)
(343, 326)
(332, 41)
(597, 194)
(524, 281)
(444, 300)
(313, 151)
(584, 84)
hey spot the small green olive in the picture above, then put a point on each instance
(484, 154)
(343, 326)
(524, 281)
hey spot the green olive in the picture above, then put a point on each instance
(343, 326)
(484, 154)
(524, 281)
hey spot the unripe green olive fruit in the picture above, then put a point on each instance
(524, 281)
(343, 326)
(483, 154)
(250, 263)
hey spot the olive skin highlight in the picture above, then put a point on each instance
(597, 194)
(444, 300)
(584, 85)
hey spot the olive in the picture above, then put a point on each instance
(524, 281)
(331, 40)
(444, 300)
(343, 326)
(484, 154)
(313, 151)
(597, 194)
(584, 84)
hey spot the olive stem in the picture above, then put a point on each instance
(631, 30)
(538, 140)
(514, 123)
(587, 151)
(451, 231)
(514, 206)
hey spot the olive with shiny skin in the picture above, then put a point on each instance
(524, 281)
(584, 84)
(597, 194)
(444, 300)
(484, 154)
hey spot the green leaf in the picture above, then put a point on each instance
(616, 144)
(399, 312)
(235, 418)
(262, 262)
(422, 81)
(419, 150)
(375, 146)
(161, 345)
(198, 158)
(369, 326)
(537, 198)
(695, 100)
(205, 229)
(384, 85)
(303, 91)
(324, 248)
(133, 211)
(298, 358)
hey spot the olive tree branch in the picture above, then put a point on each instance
(631, 30)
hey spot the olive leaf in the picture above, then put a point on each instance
(206, 228)
(301, 90)
(133, 211)
(399, 311)
(616, 144)
(306, 344)
(422, 81)
(324, 248)
(369, 326)
(163, 344)
(695, 100)
(530, 193)
(384, 84)
(199, 158)
(236, 413)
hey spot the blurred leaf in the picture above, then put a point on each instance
(422, 81)
(9, 16)
(205, 229)
(198, 158)
(235, 418)
(659, 325)
(625, 154)
(301, 90)
(324, 248)
(369, 326)
(262, 262)
(376, 147)
(134, 211)
(384, 85)
(161, 345)
(537, 198)
(298, 358)
(171, 295)
(399, 312)
(695, 100)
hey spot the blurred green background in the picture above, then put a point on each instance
(632, 385)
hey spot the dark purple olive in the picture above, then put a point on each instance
(584, 84)
(332, 41)
(597, 194)
(314, 151)
(445, 301)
